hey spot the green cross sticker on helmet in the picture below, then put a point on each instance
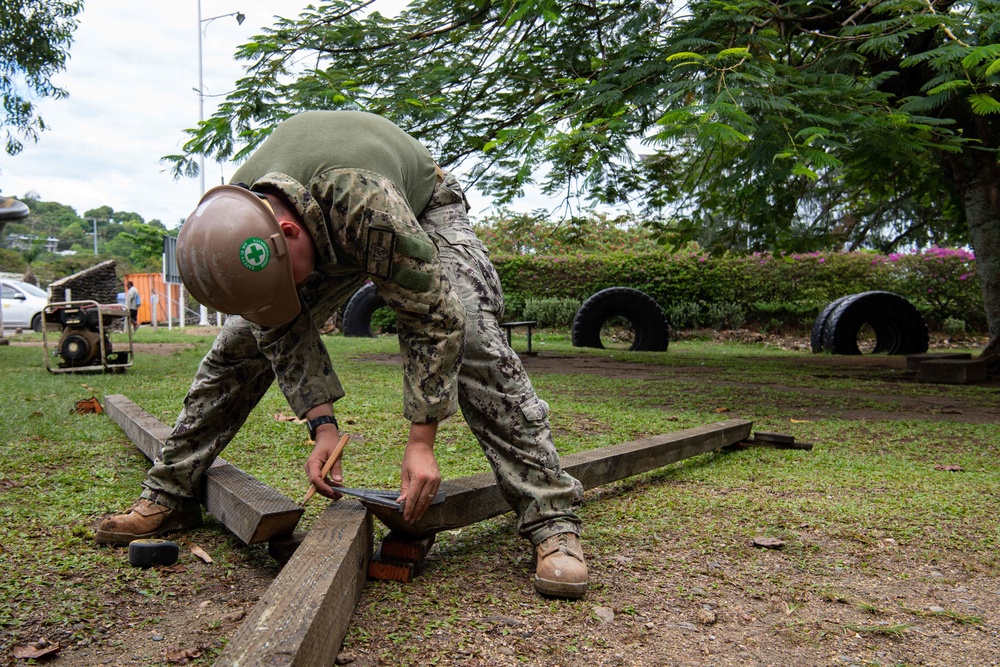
(255, 254)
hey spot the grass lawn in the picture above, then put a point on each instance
(890, 524)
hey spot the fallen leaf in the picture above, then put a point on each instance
(722, 409)
(183, 655)
(768, 542)
(949, 468)
(176, 569)
(288, 418)
(88, 406)
(200, 553)
(800, 421)
(35, 650)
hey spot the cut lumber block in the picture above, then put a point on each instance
(282, 547)
(406, 548)
(765, 436)
(952, 371)
(303, 616)
(475, 498)
(913, 361)
(253, 511)
(389, 569)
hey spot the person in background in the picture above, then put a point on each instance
(132, 302)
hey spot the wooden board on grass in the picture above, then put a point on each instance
(475, 498)
(302, 618)
(253, 511)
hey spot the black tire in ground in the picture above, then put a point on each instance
(652, 330)
(36, 323)
(816, 337)
(899, 327)
(358, 313)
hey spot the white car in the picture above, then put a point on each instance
(22, 304)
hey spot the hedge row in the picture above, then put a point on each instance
(941, 283)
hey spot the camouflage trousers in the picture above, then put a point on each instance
(494, 391)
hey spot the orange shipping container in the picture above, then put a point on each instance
(149, 284)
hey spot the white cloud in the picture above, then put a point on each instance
(132, 80)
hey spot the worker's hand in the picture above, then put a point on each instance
(420, 474)
(327, 437)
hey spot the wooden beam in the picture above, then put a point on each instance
(303, 616)
(475, 498)
(253, 511)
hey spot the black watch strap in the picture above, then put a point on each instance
(314, 424)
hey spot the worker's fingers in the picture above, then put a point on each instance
(418, 498)
(314, 471)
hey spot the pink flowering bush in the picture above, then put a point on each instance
(941, 282)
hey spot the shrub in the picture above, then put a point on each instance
(683, 315)
(725, 315)
(384, 320)
(954, 327)
(940, 283)
(551, 312)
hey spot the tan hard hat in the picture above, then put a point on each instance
(232, 256)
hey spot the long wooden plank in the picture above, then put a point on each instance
(253, 511)
(475, 498)
(303, 616)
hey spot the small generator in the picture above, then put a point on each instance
(85, 343)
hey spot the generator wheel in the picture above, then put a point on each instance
(649, 323)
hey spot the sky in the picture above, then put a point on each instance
(132, 80)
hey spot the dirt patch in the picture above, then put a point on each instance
(865, 369)
(157, 349)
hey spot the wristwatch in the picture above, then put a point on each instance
(314, 424)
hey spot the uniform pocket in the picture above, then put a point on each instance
(535, 409)
(460, 237)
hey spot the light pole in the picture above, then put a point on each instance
(94, 220)
(203, 310)
(240, 17)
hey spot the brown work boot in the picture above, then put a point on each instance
(145, 519)
(560, 570)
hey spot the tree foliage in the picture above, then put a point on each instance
(745, 124)
(34, 45)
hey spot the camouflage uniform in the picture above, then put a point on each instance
(341, 208)
(371, 234)
(494, 392)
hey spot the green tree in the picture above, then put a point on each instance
(791, 125)
(34, 46)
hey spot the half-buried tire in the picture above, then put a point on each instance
(898, 326)
(649, 323)
(819, 326)
(359, 310)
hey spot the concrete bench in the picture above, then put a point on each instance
(913, 361)
(528, 323)
(952, 371)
